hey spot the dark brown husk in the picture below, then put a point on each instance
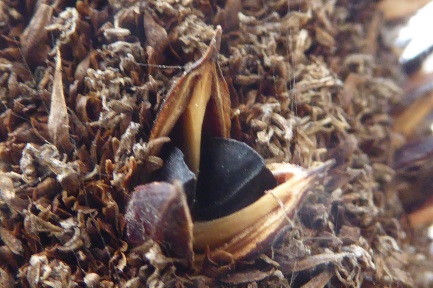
(309, 81)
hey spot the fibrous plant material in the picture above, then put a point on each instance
(308, 82)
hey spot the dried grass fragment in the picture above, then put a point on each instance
(58, 120)
(34, 40)
(13, 243)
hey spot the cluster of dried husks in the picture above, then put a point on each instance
(99, 98)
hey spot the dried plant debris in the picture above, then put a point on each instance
(95, 93)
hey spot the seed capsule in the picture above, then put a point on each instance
(239, 209)
(198, 102)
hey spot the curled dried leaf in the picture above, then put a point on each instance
(319, 281)
(58, 120)
(35, 225)
(92, 280)
(156, 35)
(6, 278)
(13, 243)
(88, 107)
(35, 37)
(9, 196)
(8, 258)
(52, 273)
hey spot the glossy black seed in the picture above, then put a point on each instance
(232, 176)
(175, 168)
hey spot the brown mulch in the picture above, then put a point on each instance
(81, 84)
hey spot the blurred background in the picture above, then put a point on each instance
(409, 31)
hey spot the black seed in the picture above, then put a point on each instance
(232, 175)
(175, 168)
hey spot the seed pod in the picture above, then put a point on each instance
(235, 216)
(199, 101)
(253, 228)
(159, 211)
